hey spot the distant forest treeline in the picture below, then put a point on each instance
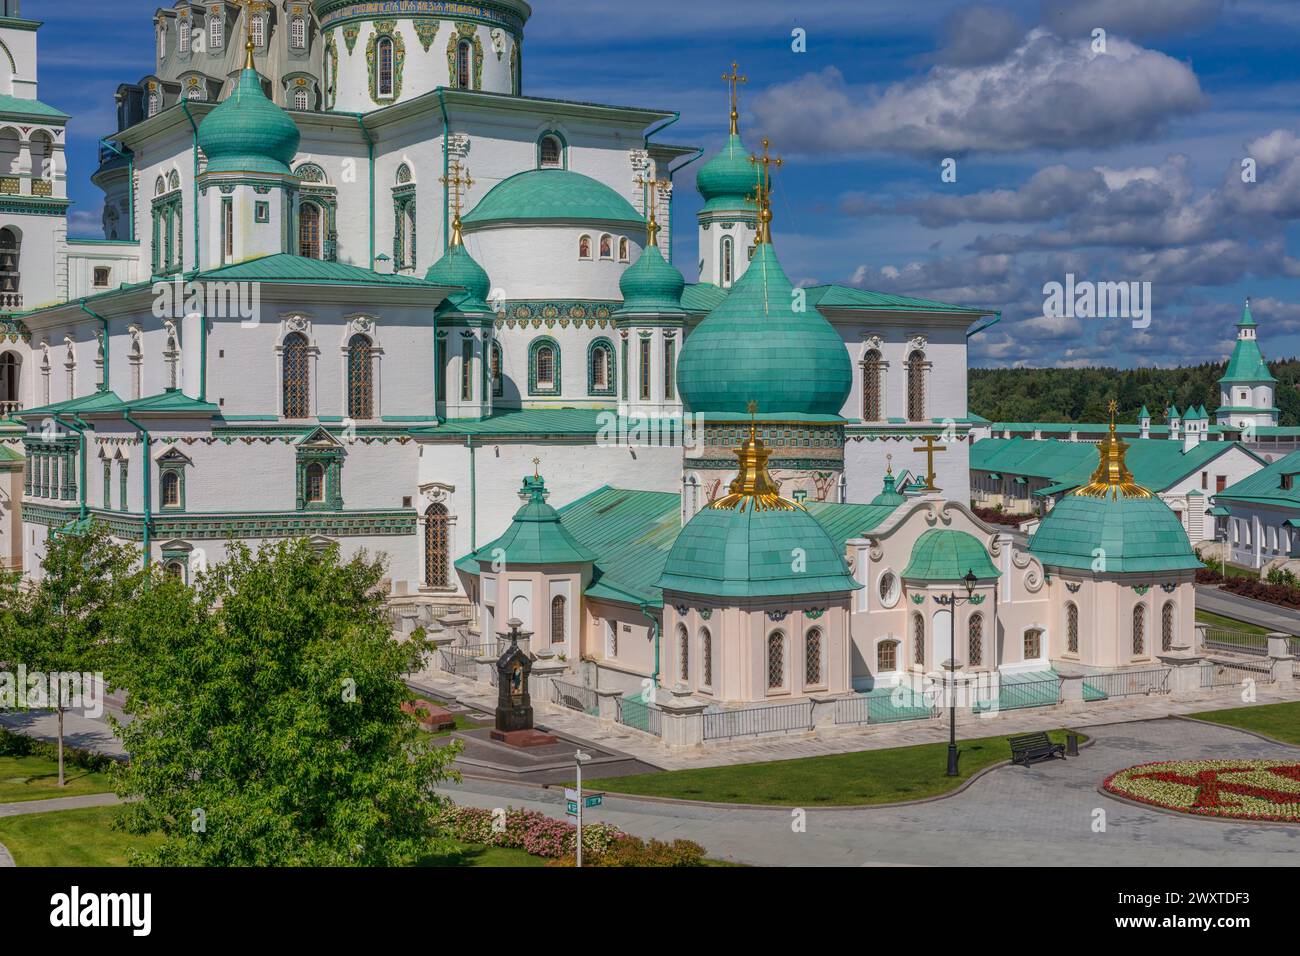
(1082, 394)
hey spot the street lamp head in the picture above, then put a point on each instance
(970, 581)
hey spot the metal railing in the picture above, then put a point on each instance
(755, 721)
(1238, 642)
(1119, 684)
(1043, 692)
(641, 716)
(881, 709)
(574, 696)
(1224, 674)
(459, 659)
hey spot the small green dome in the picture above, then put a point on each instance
(247, 132)
(552, 195)
(457, 267)
(748, 552)
(890, 496)
(536, 535)
(1130, 532)
(756, 346)
(728, 179)
(942, 554)
(651, 285)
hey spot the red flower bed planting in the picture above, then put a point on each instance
(1238, 789)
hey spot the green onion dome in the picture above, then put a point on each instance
(727, 180)
(756, 346)
(536, 535)
(247, 133)
(890, 496)
(458, 268)
(651, 285)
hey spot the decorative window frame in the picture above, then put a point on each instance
(823, 678)
(533, 387)
(177, 552)
(564, 148)
(895, 592)
(784, 687)
(319, 447)
(361, 324)
(611, 389)
(899, 651)
(331, 71)
(497, 382)
(167, 210)
(385, 29)
(302, 324)
(172, 462)
(464, 30)
(404, 260)
(590, 253)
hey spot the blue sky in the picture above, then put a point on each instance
(1122, 165)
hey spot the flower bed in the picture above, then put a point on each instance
(1238, 789)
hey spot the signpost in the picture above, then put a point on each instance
(575, 801)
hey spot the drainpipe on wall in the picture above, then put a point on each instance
(80, 428)
(654, 627)
(473, 496)
(446, 168)
(185, 105)
(103, 386)
(130, 184)
(148, 483)
(370, 154)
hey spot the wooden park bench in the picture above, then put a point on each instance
(1029, 748)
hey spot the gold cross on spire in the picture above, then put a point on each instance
(458, 178)
(537, 464)
(1113, 408)
(734, 81)
(652, 189)
(762, 194)
(250, 8)
(930, 452)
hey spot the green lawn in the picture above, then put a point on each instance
(37, 778)
(1217, 620)
(86, 837)
(1280, 721)
(856, 779)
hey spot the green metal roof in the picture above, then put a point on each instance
(702, 297)
(757, 346)
(1265, 485)
(16, 105)
(942, 554)
(650, 285)
(889, 495)
(281, 267)
(845, 297)
(536, 536)
(1247, 364)
(846, 521)
(8, 454)
(552, 195)
(1129, 534)
(247, 132)
(729, 177)
(171, 402)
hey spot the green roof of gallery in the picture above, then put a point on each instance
(552, 195)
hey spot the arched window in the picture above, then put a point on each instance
(408, 235)
(297, 377)
(437, 547)
(607, 247)
(706, 657)
(10, 272)
(886, 657)
(1167, 627)
(171, 356)
(195, 92)
(918, 640)
(171, 490)
(812, 657)
(550, 152)
(183, 35)
(916, 386)
(216, 33)
(584, 247)
(259, 32)
(1139, 630)
(173, 180)
(384, 66)
(10, 379)
(315, 484)
(301, 98)
(544, 371)
(775, 660)
(1072, 627)
(683, 654)
(153, 103)
(309, 230)
(403, 174)
(873, 408)
(601, 378)
(559, 614)
(624, 250)
(498, 381)
(728, 261)
(298, 33)
(361, 376)
(1033, 644)
(464, 57)
(175, 570)
(975, 640)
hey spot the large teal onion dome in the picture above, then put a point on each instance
(727, 180)
(756, 346)
(1112, 525)
(650, 284)
(552, 195)
(247, 133)
(458, 268)
(754, 543)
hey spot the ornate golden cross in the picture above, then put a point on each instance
(652, 188)
(763, 190)
(930, 451)
(537, 464)
(734, 81)
(1113, 407)
(458, 178)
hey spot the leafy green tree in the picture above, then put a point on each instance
(267, 726)
(61, 623)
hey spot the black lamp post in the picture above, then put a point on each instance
(953, 602)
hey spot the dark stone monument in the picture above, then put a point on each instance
(514, 715)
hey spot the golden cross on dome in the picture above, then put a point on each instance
(652, 189)
(762, 194)
(250, 8)
(734, 81)
(458, 178)
(1113, 408)
(889, 464)
(930, 452)
(537, 464)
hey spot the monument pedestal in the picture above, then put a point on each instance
(524, 738)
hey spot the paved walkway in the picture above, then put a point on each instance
(1239, 608)
(850, 739)
(85, 733)
(25, 807)
(1012, 816)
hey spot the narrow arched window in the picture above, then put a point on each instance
(975, 640)
(1167, 627)
(728, 261)
(384, 66)
(464, 55)
(216, 33)
(315, 483)
(309, 230)
(607, 247)
(498, 382)
(1139, 630)
(176, 570)
(886, 656)
(259, 32)
(361, 377)
(775, 660)
(1072, 627)
(584, 247)
(183, 35)
(544, 366)
(918, 640)
(559, 619)
(298, 33)
(437, 547)
(602, 369)
(10, 371)
(624, 250)
(297, 377)
(153, 103)
(812, 657)
(550, 152)
(171, 490)
(706, 657)
(1033, 644)
(873, 408)
(916, 386)
(10, 271)
(683, 654)
(301, 98)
